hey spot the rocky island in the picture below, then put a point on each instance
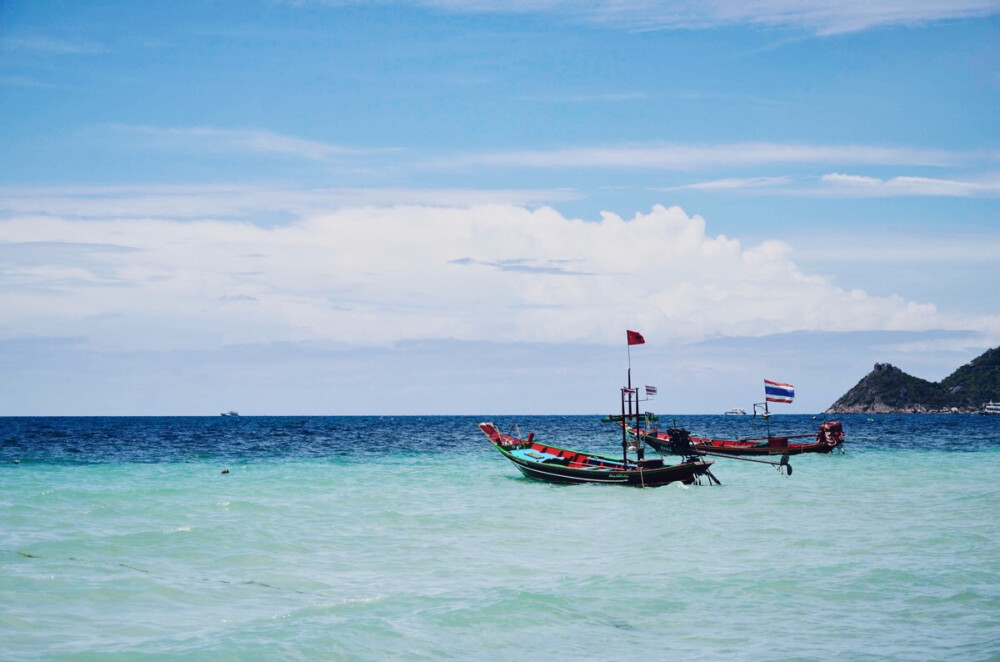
(889, 390)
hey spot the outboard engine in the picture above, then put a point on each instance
(830, 433)
(680, 441)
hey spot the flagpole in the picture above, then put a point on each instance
(632, 337)
(628, 349)
(625, 429)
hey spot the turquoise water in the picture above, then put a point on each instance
(410, 538)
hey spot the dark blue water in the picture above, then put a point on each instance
(248, 439)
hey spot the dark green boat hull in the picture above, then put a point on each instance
(552, 464)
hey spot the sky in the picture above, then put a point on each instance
(404, 207)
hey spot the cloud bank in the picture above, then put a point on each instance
(381, 275)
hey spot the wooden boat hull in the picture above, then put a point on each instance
(724, 447)
(829, 437)
(560, 465)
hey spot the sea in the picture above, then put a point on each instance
(410, 538)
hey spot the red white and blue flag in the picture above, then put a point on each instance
(778, 392)
(650, 391)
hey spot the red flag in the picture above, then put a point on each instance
(635, 338)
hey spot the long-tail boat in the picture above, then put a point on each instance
(680, 442)
(829, 437)
(552, 463)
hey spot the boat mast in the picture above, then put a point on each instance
(766, 416)
(625, 423)
(627, 393)
(631, 338)
(630, 395)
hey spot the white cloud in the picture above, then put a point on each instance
(819, 16)
(693, 157)
(633, 156)
(259, 141)
(851, 180)
(234, 201)
(735, 183)
(899, 250)
(838, 185)
(862, 186)
(379, 275)
(49, 46)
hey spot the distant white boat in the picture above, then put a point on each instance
(992, 408)
(230, 413)
(735, 411)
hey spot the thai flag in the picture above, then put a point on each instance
(628, 390)
(778, 392)
(650, 391)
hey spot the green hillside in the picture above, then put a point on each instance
(888, 389)
(975, 382)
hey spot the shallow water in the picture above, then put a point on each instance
(368, 538)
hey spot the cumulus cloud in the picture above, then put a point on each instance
(379, 275)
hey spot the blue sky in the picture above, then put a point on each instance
(410, 207)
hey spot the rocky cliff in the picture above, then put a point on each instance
(887, 389)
